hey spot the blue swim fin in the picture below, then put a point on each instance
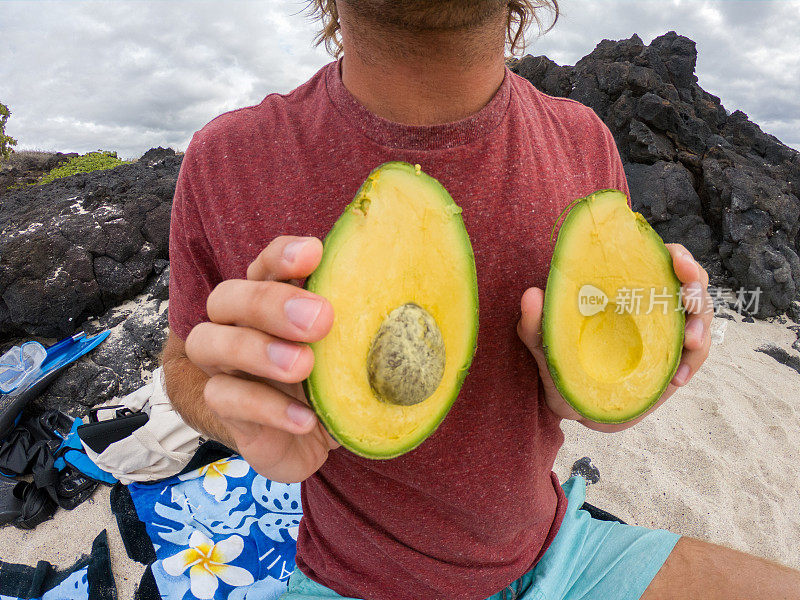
(59, 355)
(70, 349)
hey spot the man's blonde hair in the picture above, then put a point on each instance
(521, 13)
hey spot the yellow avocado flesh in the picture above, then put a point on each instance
(400, 241)
(613, 363)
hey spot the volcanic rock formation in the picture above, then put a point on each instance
(710, 180)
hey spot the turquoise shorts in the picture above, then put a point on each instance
(589, 559)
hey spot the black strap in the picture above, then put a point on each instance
(600, 514)
(37, 507)
(208, 452)
(23, 581)
(101, 579)
(45, 477)
(148, 589)
(31, 444)
(137, 542)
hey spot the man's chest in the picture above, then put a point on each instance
(508, 210)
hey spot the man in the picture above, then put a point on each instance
(475, 511)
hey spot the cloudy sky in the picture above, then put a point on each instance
(127, 75)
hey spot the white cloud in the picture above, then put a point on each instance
(127, 75)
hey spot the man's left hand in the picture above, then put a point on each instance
(696, 342)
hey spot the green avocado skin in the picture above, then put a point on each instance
(312, 389)
(549, 332)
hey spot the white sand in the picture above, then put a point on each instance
(718, 461)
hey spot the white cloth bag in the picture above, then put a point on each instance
(160, 448)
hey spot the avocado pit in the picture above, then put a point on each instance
(406, 358)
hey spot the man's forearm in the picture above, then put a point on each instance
(185, 383)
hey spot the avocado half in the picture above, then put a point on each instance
(398, 268)
(613, 322)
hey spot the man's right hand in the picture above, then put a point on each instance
(254, 350)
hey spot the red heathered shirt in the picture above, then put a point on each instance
(477, 504)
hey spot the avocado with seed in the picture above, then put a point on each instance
(612, 322)
(399, 270)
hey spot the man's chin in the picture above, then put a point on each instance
(424, 15)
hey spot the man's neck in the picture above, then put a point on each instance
(423, 78)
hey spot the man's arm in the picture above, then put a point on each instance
(237, 376)
(185, 385)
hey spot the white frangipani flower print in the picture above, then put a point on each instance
(207, 563)
(214, 474)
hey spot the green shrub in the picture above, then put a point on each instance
(6, 141)
(93, 161)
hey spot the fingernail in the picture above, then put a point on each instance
(682, 375)
(291, 250)
(283, 355)
(299, 415)
(303, 312)
(695, 328)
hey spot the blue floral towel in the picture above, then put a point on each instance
(220, 531)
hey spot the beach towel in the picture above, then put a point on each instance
(217, 530)
(89, 578)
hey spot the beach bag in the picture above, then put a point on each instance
(160, 448)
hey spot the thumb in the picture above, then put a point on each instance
(529, 327)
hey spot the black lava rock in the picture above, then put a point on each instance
(72, 249)
(585, 468)
(781, 355)
(119, 364)
(794, 311)
(711, 181)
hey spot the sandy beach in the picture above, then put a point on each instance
(718, 461)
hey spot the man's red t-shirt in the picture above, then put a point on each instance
(477, 504)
